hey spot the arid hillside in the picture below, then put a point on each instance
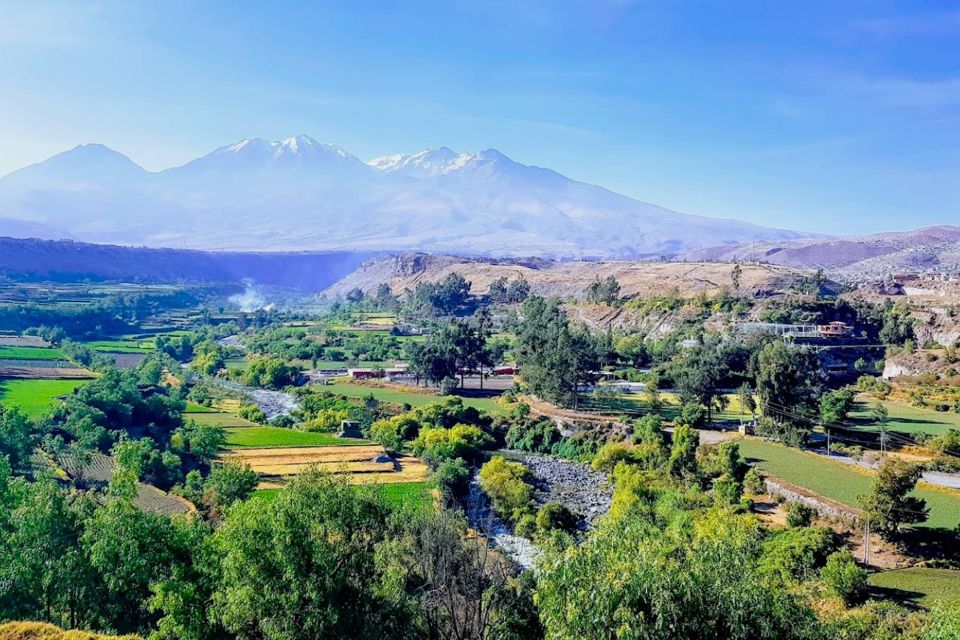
(645, 279)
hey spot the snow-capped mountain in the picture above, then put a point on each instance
(298, 193)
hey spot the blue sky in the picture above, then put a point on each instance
(838, 117)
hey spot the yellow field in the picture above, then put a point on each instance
(356, 462)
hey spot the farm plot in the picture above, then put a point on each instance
(35, 397)
(258, 436)
(919, 585)
(30, 353)
(361, 463)
(395, 396)
(838, 481)
(905, 419)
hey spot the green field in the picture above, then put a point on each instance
(919, 585)
(220, 419)
(121, 346)
(634, 404)
(393, 396)
(905, 419)
(839, 481)
(415, 495)
(36, 397)
(280, 437)
(31, 353)
(193, 407)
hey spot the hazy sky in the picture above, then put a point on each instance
(825, 116)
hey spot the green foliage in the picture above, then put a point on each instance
(606, 290)
(787, 390)
(270, 373)
(505, 483)
(792, 555)
(753, 482)
(890, 505)
(228, 483)
(835, 406)
(844, 577)
(683, 452)
(639, 577)
(556, 517)
(800, 514)
(304, 566)
(556, 359)
(435, 445)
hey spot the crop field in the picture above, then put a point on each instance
(358, 461)
(221, 419)
(839, 481)
(395, 396)
(257, 436)
(36, 397)
(413, 495)
(30, 353)
(635, 404)
(121, 346)
(919, 585)
(905, 419)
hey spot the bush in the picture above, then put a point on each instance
(844, 577)
(556, 517)
(800, 514)
(506, 484)
(453, 476)
(753, 482)
(795, 554)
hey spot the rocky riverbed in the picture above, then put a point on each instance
(573, 484)
(272, 403)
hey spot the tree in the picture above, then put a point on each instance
(606, 291)
(304, 566)
(667, 582)
(228, 483)
(556, 360)
(787, 389)
(735, 278)
(683, 452)
(745, 398)
(835, 406)
(844, 577)
(16, 436)
(701, 374)
(889, 506)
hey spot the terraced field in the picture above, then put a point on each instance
(904, 419)
(30, 353)
(396, 396)
(838, 481)
(259, 436)
(36, 397)
(918, 585)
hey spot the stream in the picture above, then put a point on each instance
(484, 520)
(272, 403)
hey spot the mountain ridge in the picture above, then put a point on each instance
(300, 194)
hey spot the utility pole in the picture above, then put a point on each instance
(828, 441)
(866, 542)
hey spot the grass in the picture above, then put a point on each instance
(31, 353)
(417, 496)
(634, 404)
(394, 396)
(121, 346)
(905, 419)
(839, 481)
(919, 585)
(220, 419)
(193, 407)
(280, 437)
(35, 397)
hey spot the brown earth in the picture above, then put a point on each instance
(645, 279)
(355, 462)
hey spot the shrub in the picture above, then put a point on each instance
(506, 484)
(800, 514)
(844, 577)
(453, 476)
(554, 516)
(462, 441)
(753, 482)
(794, 554)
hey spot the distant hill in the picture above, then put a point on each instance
(566, 279)
(923, 250)
(67, 260)
(299, 194)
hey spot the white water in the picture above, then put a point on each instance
(484, 520)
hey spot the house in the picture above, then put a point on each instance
(835, 329)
